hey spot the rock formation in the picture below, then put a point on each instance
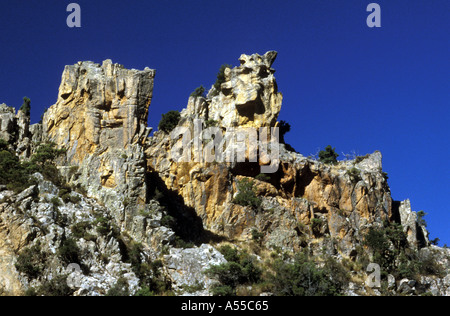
(248, 97)
(15, 129)
(100, 118)
(127, 215)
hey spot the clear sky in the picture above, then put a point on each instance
(356, 88)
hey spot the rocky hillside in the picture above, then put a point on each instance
(90, 204)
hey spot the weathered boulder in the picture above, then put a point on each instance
(187, 268)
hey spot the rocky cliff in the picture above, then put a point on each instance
(126, 217)
(100, 118)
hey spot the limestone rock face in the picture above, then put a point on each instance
(187, 267)
(140, 205)
(99, 106)
(31, 219)
(100, 118)
(416, 234)
(249, 96)
(15, 129)
(305, 200)
(302, 192)
(7, 122)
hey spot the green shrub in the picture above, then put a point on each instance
(57, 286)
(103, 226)
(231, 254)
(121, 288)
(168, 221)
(169, 121)
(221, 77)
(26, 106)
(303, 277)
(328, 156)
(316, 225)
(197, 286)
(79, 230)
(239, 270)
(421, 218)
(358, 159)
(152, 281)
(199, 92)
(46, 153)
(56, 202)
(354, 174)
(17, 175)
(388, 245)
(257, 236)
(12, 172)
(31, 262)
(246, 194)
(68, 251)
(3, 145)
(43, 161)
(284, 128)
(31, 291)
(263, 177)
(228, 274)
(145, 291)
(74, 199)
(180, 243)
(222, 290)
(66, 195)
(211, 123)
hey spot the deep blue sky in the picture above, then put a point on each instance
(356, 88)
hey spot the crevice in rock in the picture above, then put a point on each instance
(304, 179)
(188, 226)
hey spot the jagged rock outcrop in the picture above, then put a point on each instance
(187, 268)
(100, 118)
(39, 221)
(302, 191)
(15, 129)
(248, 97)
(7, 119)
(416, 234)
(304, 204)
(133, 213)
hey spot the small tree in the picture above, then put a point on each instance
(221, 76)
(31, 261)
(3, 145)
(68, 251)
(26, 107)
(303, 277)
(169, 121)
(199, 92)
(239, 270)
(421, 218)
(328, 156)
(285, 127)
(246, 195)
